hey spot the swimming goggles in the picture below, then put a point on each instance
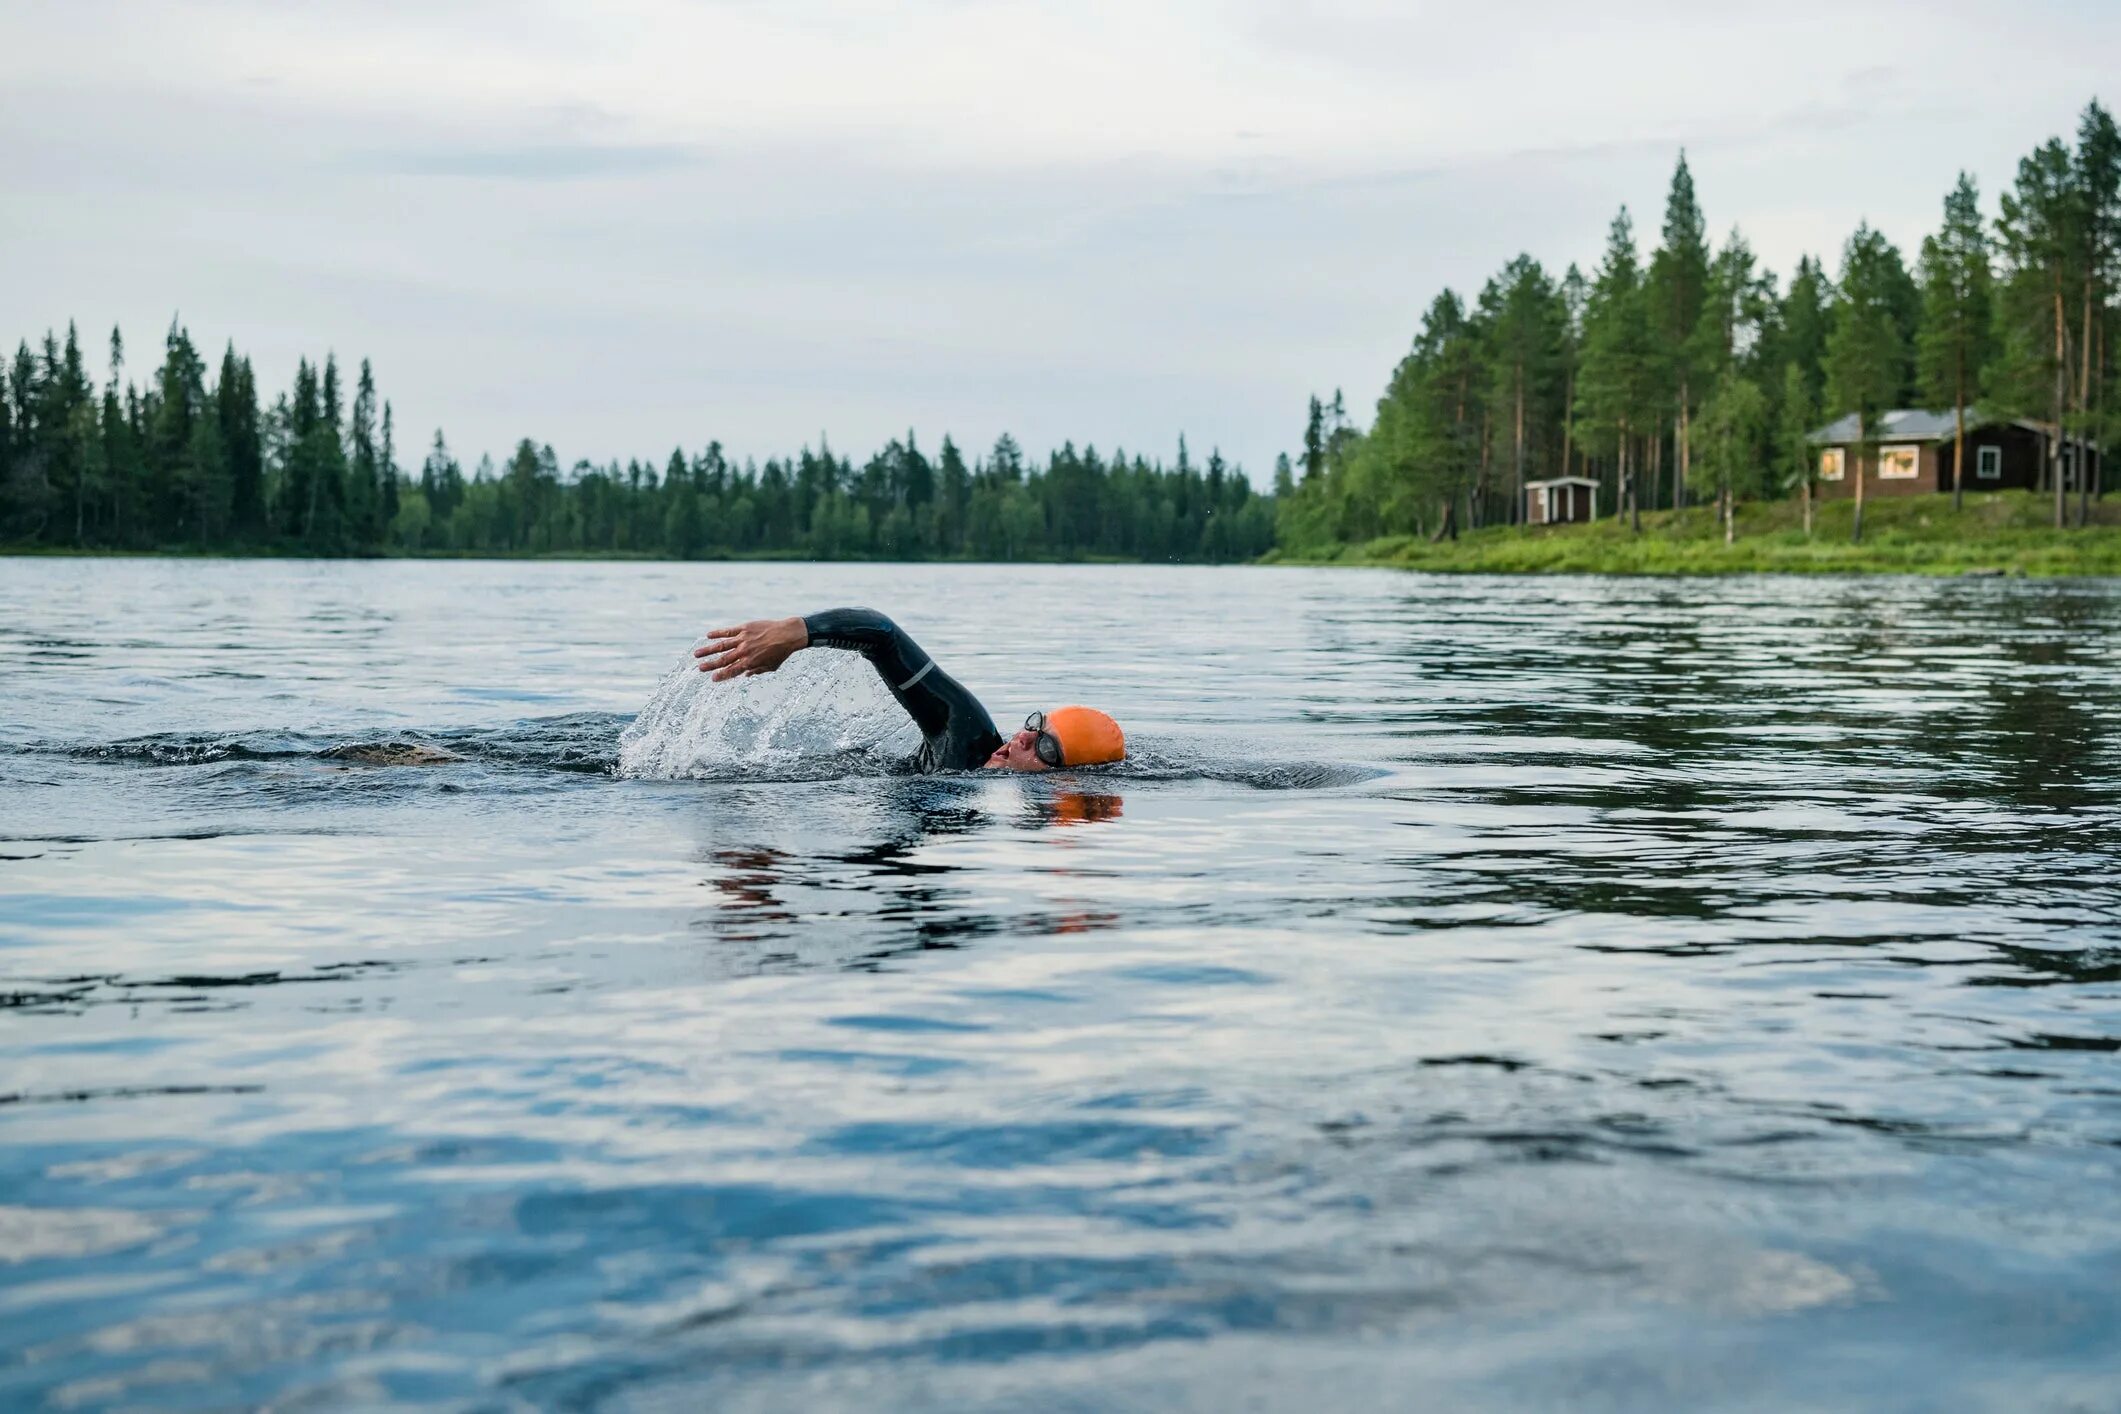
(1049, 747)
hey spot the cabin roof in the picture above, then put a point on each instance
(1900, 425)
(1560, 481)
(1924, 425)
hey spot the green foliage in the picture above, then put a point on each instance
(1867, 352)
(1614, 388)
(1957, 336)
(1796, 461)
(1630, 376)
(1806, 322)
(187, 465)
(1735, 455)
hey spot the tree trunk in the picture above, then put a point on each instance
(1477, 501)
(1730, 524)
(1959, 431)
(1568, 421)
(1447, 522)
(1686, 447)
(2085, 406)
(2098, 393)
(1863, 444)
(2084, 345)
(1804, 493)
(1657, 462)
(2061, 400)
(1517, 506)
(1630, 492)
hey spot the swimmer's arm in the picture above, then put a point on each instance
(765, 644)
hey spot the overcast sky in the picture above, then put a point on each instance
(631, 224)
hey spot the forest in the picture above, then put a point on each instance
(1692, 375)
(192, 460)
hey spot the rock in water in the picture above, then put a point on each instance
(391, 753)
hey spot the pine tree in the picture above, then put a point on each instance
(1570, 299)
(2038, 237)
(1524, 338)
(1615, 386)
(1958, 309)
(1866, 356)
(2098, 172)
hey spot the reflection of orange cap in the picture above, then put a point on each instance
(1072, 807)
(1087, 736)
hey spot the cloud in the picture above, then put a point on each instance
(547, 162)
(646, 222)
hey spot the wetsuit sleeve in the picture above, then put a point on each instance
(929, 696)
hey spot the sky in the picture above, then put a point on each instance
(631, 225)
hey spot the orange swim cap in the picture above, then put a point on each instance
(1087, 736)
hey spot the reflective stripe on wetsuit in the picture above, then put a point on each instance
(956, 732)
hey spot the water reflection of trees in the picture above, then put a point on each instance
(1732, 780)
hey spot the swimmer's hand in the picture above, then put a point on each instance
(748, 649)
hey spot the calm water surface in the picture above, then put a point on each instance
(1483, 994)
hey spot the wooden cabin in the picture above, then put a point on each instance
(1561, 500)
(1915, 448)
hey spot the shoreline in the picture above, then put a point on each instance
(1997, 534)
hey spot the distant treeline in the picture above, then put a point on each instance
(1695, 375)
(189, 461)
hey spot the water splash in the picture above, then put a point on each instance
(821, 714)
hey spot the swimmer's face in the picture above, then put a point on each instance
(1018, 753)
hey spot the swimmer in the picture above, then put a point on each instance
(956, 732)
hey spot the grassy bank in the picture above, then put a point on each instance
(2007, 531)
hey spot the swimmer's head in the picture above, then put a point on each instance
(1065, 736)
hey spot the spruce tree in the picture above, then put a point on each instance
(1677, 291)
(364, 492)
(1805, 323)
(389, 471)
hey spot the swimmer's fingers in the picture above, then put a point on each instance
(718, 639)
(721, 646)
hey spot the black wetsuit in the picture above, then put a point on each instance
(956, 732)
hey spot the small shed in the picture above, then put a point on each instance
(1561, 500)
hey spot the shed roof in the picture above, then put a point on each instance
(1560, 481)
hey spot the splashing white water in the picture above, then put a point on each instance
(818, 710)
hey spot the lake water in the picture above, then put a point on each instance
(1574, 994)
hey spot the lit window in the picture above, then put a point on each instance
(1898, 464)
(1830, 464)
(1988, 465)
